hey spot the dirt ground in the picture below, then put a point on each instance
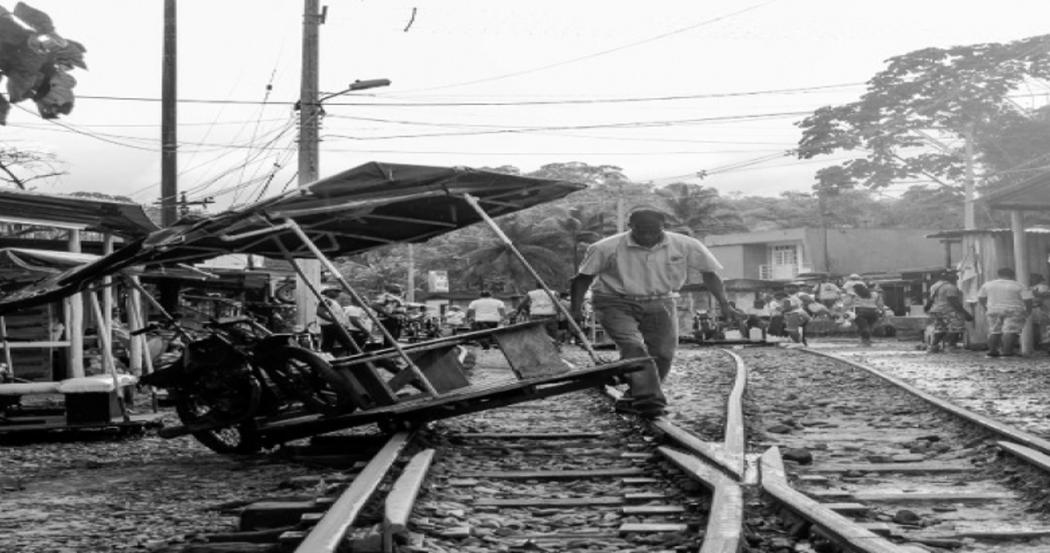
(97, 491)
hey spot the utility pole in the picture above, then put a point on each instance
(169, 290)
(969, 219)
(621, 223)
(822, 205)
(168, 120)
(309, 115)
(410, 293)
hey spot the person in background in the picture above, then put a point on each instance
(360, 323)
(827, 292)
(331, 316)
(947, 313)
(793, 307)
(565, 335)
(1040, 310)
(775, 303)
(390, 307)
(756, 316)
(1006, 307)
(537, 305)
(484, 313)
(852, 280)
(636, 276)
(867, 308)
(455, 318)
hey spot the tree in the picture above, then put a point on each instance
(20, 167)
(699, 209)
(36, 62)
(929, 96)
(492, 264)
(579, 226)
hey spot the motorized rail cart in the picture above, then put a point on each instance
(238, 387)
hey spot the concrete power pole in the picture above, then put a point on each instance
(168, 120)
(969, 219)
(309, 115)
(169, 172)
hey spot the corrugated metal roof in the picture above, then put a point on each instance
(120, 218)
(1026, 196)
(967, 232)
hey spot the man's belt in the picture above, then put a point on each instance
(652, 297)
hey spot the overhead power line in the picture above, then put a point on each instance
(382, 102)
(601, 52)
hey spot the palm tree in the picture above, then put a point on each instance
(492, 262)
(580, 226)
(699, 209)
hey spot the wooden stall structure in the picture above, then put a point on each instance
(42, 347)
(985, 251)
(1027, 197)
(360, 209)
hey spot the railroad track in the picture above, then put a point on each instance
(837, 459)
(565, 473)
(887, 459)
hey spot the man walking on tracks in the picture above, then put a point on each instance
(636, 277)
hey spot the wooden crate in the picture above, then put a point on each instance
(30, 325)
(32, 364)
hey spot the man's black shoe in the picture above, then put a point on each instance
(647, 412)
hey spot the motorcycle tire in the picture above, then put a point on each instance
(240, 438)
(310, 379)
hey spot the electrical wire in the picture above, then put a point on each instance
(599, 53)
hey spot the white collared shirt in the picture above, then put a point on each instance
(623, 267)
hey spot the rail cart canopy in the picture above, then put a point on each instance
(123, 219)
(21, 266)
(348, 213)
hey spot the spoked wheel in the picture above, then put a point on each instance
(310, 379)
(226, 403)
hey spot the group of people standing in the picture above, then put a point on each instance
(788, 312)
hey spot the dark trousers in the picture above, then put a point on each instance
(331, 335)
(392, 325)
(865, 321)
(485, 341)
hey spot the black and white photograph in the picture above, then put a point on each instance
(468, 276)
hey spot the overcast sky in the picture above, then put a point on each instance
(483, 83)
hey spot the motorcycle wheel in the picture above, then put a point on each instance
(240, 435)
(310, 379)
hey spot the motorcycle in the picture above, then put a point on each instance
(239, 370)
(706, 328)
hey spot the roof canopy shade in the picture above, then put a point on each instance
(348, 213)
(123, 219)
(1027, 196)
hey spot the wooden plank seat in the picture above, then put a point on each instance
(88, 399)
(526, 346)
(28, 388)
(421, 408)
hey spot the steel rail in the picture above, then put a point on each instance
(719, 466)
(726, 516)
(1024, 438)
(328, 534)
(839, 529)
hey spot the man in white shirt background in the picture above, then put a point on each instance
(1006, 304)
(484, 313)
